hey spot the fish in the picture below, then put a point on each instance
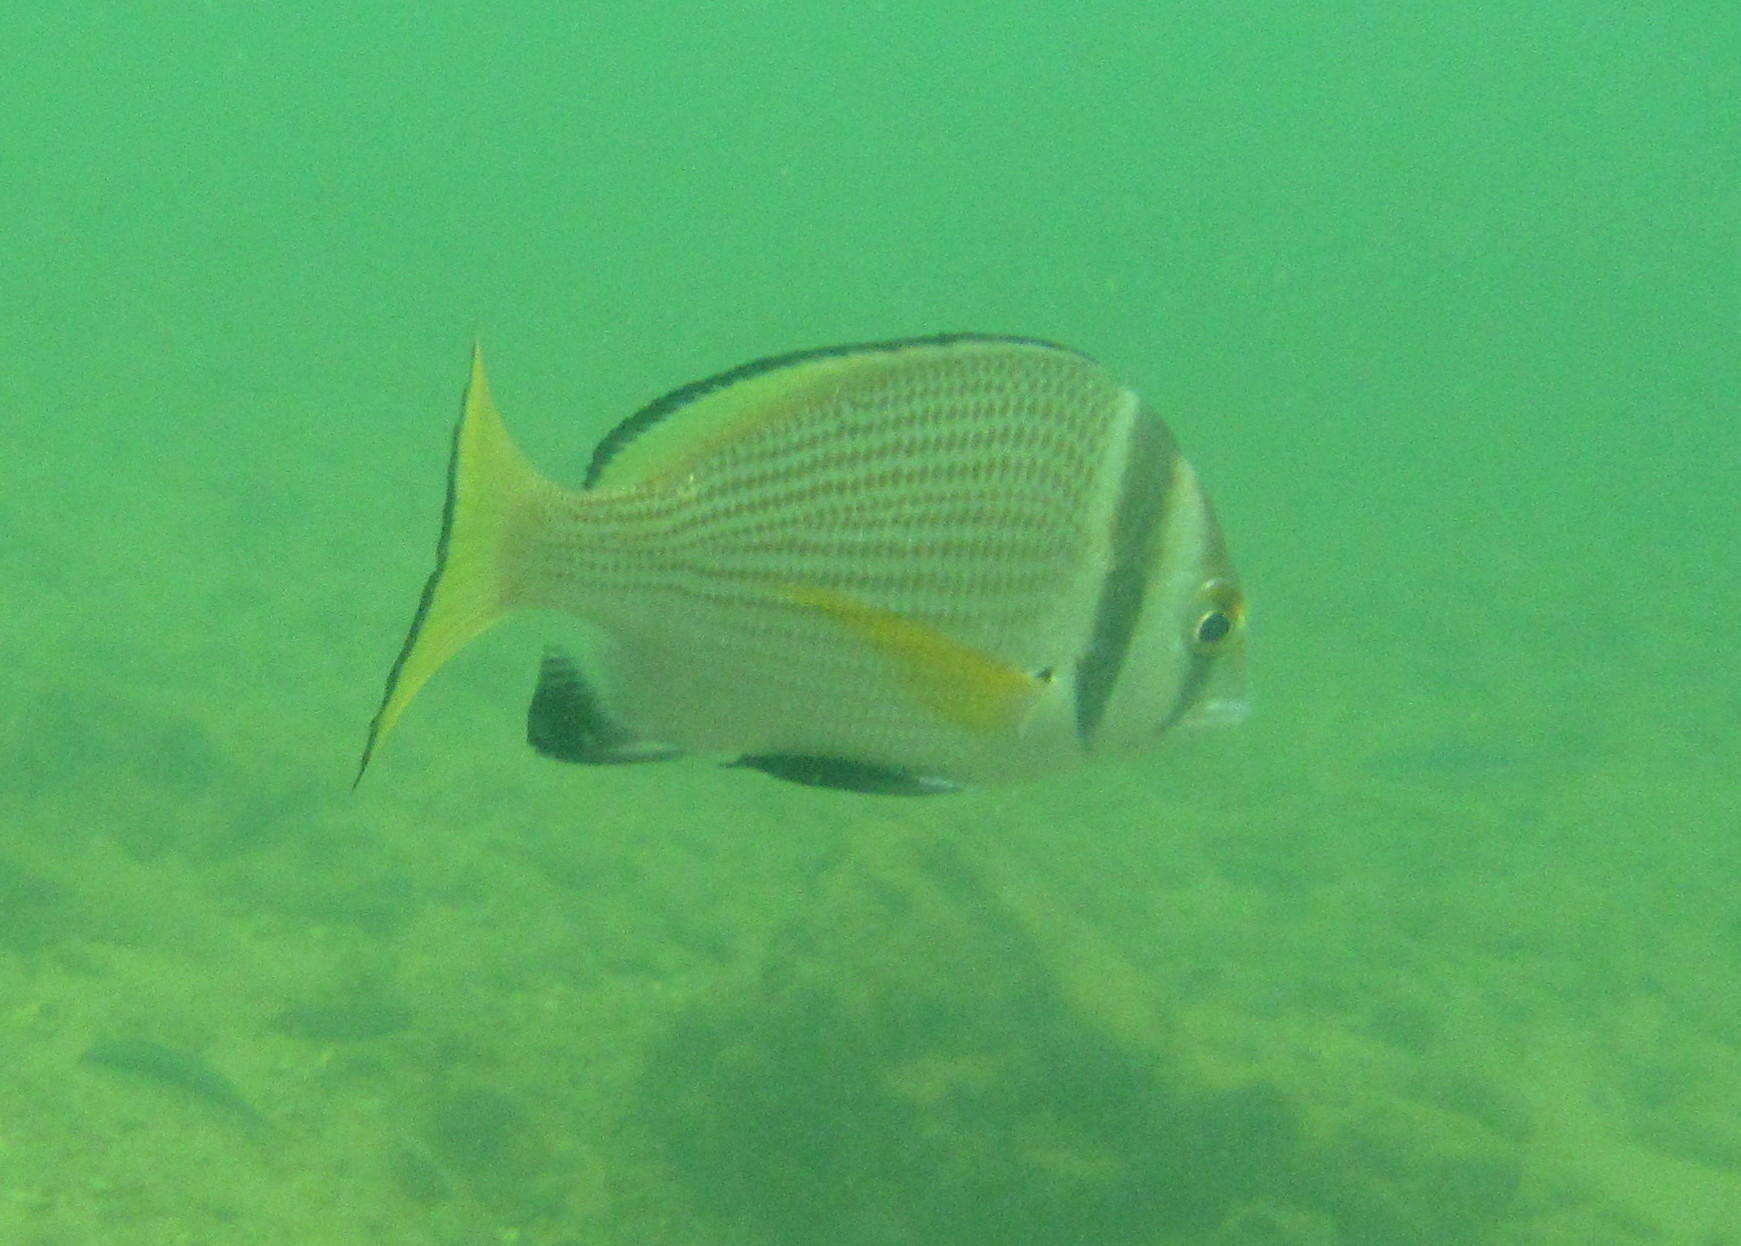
(898, 568)
(180, 1070)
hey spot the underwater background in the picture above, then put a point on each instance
(1442, 946)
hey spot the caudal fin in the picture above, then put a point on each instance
(489, 483)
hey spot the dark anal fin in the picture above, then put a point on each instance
(866, 778)
(565, 721)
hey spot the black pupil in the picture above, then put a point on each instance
(1213, 627)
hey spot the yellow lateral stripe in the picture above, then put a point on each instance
(960, 684)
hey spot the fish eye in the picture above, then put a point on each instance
(1223, 610)
(1213, 627)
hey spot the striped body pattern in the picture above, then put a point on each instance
(933, 556)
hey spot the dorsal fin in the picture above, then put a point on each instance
(696, 414)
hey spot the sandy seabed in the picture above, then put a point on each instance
(1419, 955)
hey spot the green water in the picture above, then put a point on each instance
(1442, 946)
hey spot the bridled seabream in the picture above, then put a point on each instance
(895, 567)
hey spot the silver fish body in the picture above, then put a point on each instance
(897, 566)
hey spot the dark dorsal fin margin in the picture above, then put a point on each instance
(649, 415)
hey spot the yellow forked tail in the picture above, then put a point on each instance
(489, 483)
